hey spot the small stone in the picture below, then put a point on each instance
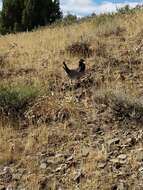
(6, 175)
(58, 155)
(102, 165)
(114, 160)
(61, 167)
(16, 176)
(113, 141)
(122, 156)
(9, 187)
(43, 166)
(50, 162)
(78, 176)
(139, 155)
(85, 152)
(69, 158)
(121, 186)
(131, 141)
(141, 170)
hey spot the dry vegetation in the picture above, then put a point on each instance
(55, 135)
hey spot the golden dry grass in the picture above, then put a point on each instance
(59, 120)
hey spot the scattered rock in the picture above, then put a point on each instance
(113, 141)
(139, 155)
(122, 156)
(101, 165)
(78, 176)
(121, 186)
(43, 165)
(16, 176)
(61, 168)
(131, 141)
(6, 175)
(9, 187)
(114, 160)
(141, 170)
(85, 152)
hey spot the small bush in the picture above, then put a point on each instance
(124, 10)
(80, 49)
(124, 107)
(15, 99)
(110, 28)
(3, 60)
(69, 19)
(101, 49)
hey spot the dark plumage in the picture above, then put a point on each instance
(75, 73)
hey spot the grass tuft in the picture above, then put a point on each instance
(14, 99)
(80, 49)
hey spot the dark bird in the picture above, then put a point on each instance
(75, 73)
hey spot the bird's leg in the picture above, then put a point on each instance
(72, 89)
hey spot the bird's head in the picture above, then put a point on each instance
(82, 65)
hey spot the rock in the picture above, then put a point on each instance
(61, 167)
(50, 162)
(114, 160)
(43, 165)
(85, 152)
(114, 187)
(121, 186)
(91, 125)
(9, 187)
(16, 176)
(122, 156)
(78, 176)
(141, 170)
(69, 158)
(113, 141)
(59, 155)
(101, 165)
(6, 175)
(139, 155)
(59, 158)
(131, 141)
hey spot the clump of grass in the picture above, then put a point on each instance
(101, 49)
(3, 60)
(124, 107)
(110, 28)
(14, 99)
(80, 49)
(125, 10)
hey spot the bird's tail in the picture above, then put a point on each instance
(66, 68)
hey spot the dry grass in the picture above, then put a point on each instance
(72, 120)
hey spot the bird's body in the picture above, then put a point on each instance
(75, 73)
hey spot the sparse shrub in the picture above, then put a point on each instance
(14, 99)
(80, 49)
(124, 10)
(110, 28)
(101, 49)
(123, 107)
(104, 18)
(3, 60)
(69, 19)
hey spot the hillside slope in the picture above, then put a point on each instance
(85, 135)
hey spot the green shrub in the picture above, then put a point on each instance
(126, 10)
(14, 99)
(69, 19)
